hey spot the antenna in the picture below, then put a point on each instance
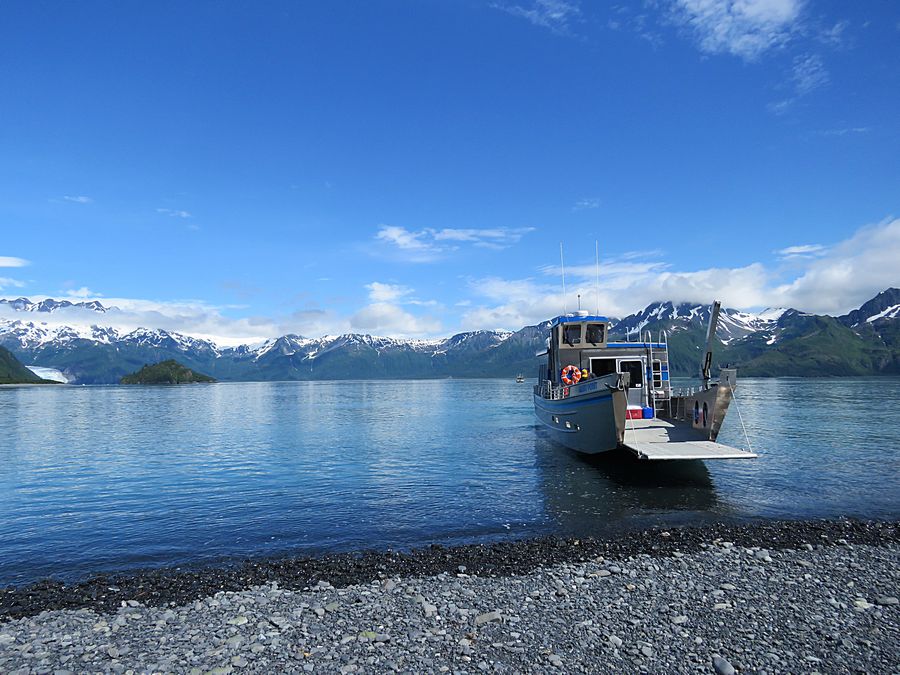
(579, 302)
(563, 267)
(597, 252)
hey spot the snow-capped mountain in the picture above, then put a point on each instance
(733, 324)
(866, 338)
(50, 305)
(881, 308)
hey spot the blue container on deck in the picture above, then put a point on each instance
(648, 413)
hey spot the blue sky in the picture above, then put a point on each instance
(410, 167)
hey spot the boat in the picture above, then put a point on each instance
(595, 395)
(520, 378)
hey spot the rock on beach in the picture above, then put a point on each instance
(656, 613)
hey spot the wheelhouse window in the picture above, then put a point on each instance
(595, 333)
(572, 333)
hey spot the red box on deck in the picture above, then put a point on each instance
(635, 414)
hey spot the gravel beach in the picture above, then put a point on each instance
(797, 597)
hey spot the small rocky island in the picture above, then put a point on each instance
(166, 372)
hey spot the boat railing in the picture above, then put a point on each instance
(551, 392)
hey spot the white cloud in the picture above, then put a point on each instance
(743, 28)
(379, 292)
(384, 318)
(10, 261)
(830, 280)
(557, 15)
(79, 199)
(175, 213)
(80, 293)
(429, 244)
(852, 272)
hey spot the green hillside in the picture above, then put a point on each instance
(166, 372)
(13, 372)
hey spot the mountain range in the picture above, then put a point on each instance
(775, 342)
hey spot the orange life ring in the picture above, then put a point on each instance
(571, 374)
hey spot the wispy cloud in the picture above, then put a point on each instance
(801, 251)
(556, 15)
(835, 36)
(744, 28)
(175, 213)
(11, 261)
(430, 244)
(79, 199)
(6, 282)
(809, 73)
(586, 203)
(845, 131)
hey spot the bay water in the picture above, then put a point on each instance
(101, 479)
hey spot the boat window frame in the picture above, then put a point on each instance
(604, 334)
(615, 368)
(633, 359)
(563, 344)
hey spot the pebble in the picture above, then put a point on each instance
(722, 666)
(489, 621)
(487, 617)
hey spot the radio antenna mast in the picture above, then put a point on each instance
(597, 252)
(562, 266)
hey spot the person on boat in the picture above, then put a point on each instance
(585, 374)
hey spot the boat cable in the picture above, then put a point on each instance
(740, 417)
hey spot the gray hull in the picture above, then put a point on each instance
(590, 420)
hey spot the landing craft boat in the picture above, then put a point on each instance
(520, 378)
(594, 395)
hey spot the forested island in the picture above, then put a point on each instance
(166, 372)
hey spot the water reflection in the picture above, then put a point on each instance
(597, 494)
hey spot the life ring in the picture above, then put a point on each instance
(571, 375)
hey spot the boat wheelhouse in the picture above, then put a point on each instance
(595, 394)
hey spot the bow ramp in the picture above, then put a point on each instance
(657, 439)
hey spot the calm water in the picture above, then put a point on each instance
(109, 478)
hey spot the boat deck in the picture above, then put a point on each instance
(658, 439)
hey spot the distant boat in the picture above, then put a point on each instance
(520, 378)
(594, 395)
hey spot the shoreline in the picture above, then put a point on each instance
(812, 597)
(182, 584)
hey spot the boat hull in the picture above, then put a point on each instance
(590, 420)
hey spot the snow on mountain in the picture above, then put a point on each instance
(30, 334)
(883, 307)
(889, 313)
(733, 324)
(50, 305)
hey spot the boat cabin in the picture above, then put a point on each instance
(582, 340)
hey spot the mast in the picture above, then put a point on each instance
(706, 364)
